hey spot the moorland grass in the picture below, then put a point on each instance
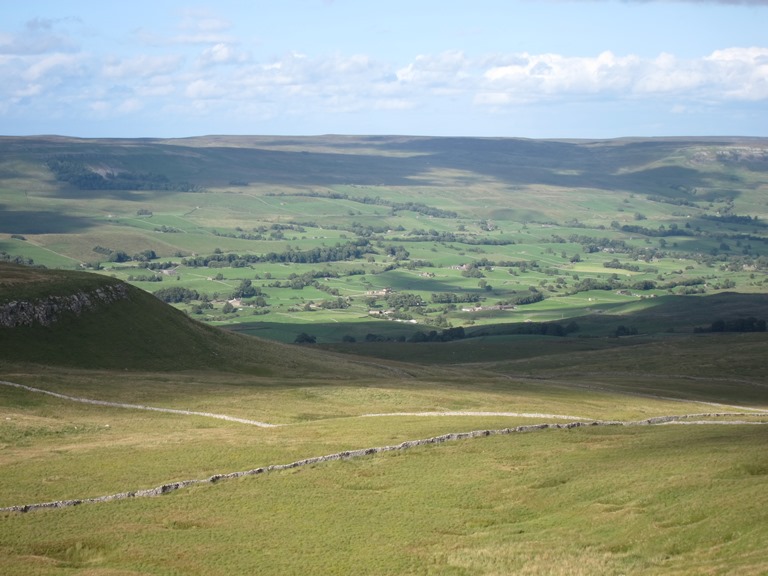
(619, 500)
(650, 500)
(46, 440)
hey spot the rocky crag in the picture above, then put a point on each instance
(46, 311)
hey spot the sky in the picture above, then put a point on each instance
(492, 68)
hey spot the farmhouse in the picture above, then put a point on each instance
(382, 292)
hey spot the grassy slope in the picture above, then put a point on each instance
(142, 333)
(661, 500)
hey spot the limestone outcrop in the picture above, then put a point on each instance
(46, 311)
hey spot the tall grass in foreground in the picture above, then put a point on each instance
(646, 500)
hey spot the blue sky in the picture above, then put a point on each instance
(518, 68)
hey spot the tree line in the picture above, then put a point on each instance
(378, 201)
(74, 171)
(349, 251)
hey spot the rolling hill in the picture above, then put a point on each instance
(57, 318)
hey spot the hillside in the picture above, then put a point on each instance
(82, 320)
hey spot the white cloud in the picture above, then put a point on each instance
(203, 20)
(204, 90)
(129, 105)
(445, 69)
(199, 67)
(743, 71)
(40, 35)
(199, 26)
(393, 104)
(52, 66)
(142, 66)
(736, 73)
(222, 53)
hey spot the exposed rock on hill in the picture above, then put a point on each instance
(46, 311)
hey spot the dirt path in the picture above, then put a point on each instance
(139, 406)
(474, 413)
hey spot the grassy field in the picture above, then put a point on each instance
(617, 500)
(372, 246)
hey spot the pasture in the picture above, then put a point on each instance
(486, 220)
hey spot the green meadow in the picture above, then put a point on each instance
(440, 286)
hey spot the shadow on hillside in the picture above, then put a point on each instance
(34, 222)
(609, 165)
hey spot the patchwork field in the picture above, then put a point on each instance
(324, 235)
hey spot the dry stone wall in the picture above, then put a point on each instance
(172, 486)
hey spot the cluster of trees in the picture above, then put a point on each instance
(420, 235)
(304, 338)
(334, 304)
(661, 231)
(397, 252)
(614, 283)
(177, 294)
(732, 219)
(622, 330)
(615, 263)
(540, 328)
(378, 201)
(122, 256)
(364, 230)
(246, 289)
(299, 281)
(404, 300)
(276, 232)
(453, 298)
(668, 200)
(158, 265)
(5, 257)
(530, 297)
(443, 336)
(750, 324)
(339, 252)
(74, 171)
(472, 270)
